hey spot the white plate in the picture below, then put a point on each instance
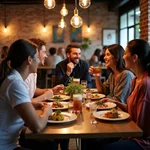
(68, 117)
(63, 97)
(110, 105)
(97, 96)
(122, 116)
(65, 104)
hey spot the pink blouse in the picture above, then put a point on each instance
(138, 106)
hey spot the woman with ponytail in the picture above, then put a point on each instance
(15, 104)
(137, 58)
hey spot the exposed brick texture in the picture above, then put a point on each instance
(145, 20)
(26, 21)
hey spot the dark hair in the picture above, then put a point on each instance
(117, 51)
(70, 46)
(38, 42)
(4, 51)
(19, 51)
(142, 49)
(97, 52)
(52, 50)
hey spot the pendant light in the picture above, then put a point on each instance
(5, 20)
(62, 23)
(64, 11)
(49, 4)
(76, 20)
(88, 29)
(84, 3)
(44, 28)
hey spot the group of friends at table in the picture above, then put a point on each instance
(127, 85)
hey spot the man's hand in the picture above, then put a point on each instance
(70, 67)
(57, 88)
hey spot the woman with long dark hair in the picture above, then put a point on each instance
(117, 86)
(15, 104)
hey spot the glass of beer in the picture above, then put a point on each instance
(77, 102)
(84, 83)
(76, 80)
(96, 70)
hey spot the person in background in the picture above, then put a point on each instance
(61, 53)
(3, 53)
(15, 104)
(73, 66)
(137, 58)
(118, 84)
(95, 57)
(52, 60)
(38, 93)
(102, 55)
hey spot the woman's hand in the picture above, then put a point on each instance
(91, 70)
(57, 88)
(108, 100)
(48, 94)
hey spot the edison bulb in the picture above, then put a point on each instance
(64, 11)
(49, 4)
(5, 30)
(88, 29)
(62, 23)
(84, 3)
(76, 20)
(44, 29)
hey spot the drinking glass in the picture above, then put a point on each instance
(93, 109)
(84, 83)
(77, 102)
(96, 70)
(76, 80)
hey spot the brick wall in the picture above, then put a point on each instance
(26, 21)
(145, 20)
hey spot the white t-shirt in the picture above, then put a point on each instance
(13, 92)
(31, 84)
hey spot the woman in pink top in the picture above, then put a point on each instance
(137, 58)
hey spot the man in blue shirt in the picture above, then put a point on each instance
(73, 66)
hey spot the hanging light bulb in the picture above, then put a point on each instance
(49, 4)
(88, 29)
(44, 29)
(5, 29)
(64, 11)
(84, 3)
(62, 23)
(76, 20)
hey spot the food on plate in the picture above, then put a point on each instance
(57, 116)
(57, 97)
(113, 113)
(95, 96)
(101, 104)
(57, 104)
(89, 90)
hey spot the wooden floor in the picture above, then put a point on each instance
(72, 144)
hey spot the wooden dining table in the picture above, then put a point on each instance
(82, 128)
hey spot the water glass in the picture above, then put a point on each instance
(93, 108)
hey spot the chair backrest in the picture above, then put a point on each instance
(53, 80)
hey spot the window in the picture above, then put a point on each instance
(129, 26)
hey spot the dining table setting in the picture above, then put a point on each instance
(93, 119)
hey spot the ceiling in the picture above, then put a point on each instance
(113, 4)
